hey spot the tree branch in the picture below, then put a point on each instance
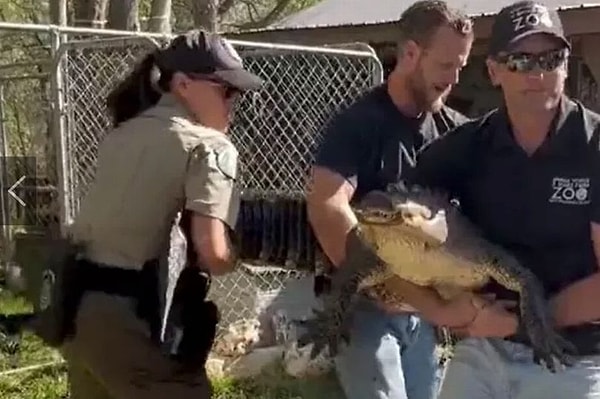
(268, 19)
(205, 14)
(225, 6)
(252, 10)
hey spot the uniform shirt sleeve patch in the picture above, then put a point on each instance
(226, 162)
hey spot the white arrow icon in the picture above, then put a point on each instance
(12, 193)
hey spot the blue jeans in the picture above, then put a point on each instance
(390, 356)
(497, 369)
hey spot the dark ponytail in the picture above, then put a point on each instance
(140, 90)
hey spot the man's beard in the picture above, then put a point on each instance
(421, 94)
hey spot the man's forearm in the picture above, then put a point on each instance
(578, 303)
(331, 224)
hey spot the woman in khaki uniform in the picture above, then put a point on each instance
(169, 151)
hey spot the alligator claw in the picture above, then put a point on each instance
(322, 331)
(329, 327)
(549, 347)
(556, 350)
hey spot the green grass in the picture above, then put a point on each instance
(285, 388)
(46, 383)
(52, 383)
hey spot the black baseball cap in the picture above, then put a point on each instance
(522, 19)
(206, 53)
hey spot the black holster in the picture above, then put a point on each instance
(54, 311)
(192, 320)
(74, 277)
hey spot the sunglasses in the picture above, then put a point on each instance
(229, 90)
(547, 61)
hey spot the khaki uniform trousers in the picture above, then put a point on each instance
(111, 356)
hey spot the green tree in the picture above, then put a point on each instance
(178, 15)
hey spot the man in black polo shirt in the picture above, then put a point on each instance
(528, 174)
(391, 354)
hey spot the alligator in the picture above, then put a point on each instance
(420, 235)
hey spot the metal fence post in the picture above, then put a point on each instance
(6, 239)
(59, 133)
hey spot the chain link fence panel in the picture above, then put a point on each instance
(90, 70)
(27, 149)
(276, 131)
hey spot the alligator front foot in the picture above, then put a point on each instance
(330, 326)
(325, 329)
(553, 351)
(537, 324)
(549, 348)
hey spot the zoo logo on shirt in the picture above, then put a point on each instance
(571, 190)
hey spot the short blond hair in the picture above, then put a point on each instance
(421, 20)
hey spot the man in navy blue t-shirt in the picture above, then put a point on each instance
(392, 351)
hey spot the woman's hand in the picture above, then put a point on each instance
(494, 319)
(470, 315)
(460, 311)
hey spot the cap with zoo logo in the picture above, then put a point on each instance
(205, 53)
(523, 19)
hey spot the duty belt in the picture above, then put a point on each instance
(141, 285)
